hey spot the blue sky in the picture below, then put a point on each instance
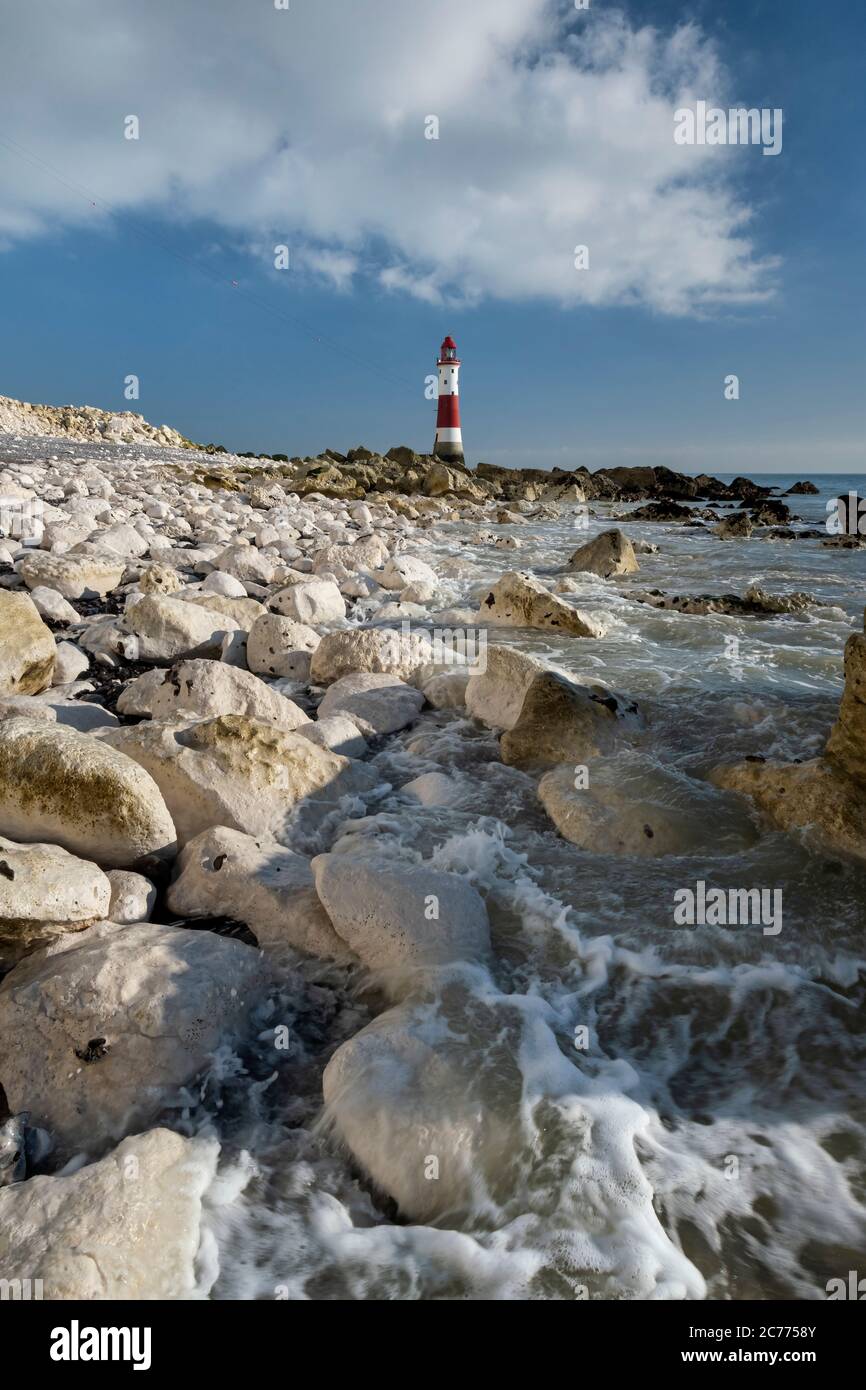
(306, 128)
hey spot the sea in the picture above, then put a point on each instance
(678, 1112)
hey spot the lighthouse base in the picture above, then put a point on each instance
(449, 452)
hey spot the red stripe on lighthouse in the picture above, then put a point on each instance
(449, 413)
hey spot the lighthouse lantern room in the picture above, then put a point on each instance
(449, 438)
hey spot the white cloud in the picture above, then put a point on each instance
(306, 126)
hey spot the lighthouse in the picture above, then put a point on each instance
(449, 439)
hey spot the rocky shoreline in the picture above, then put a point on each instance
(197, 660)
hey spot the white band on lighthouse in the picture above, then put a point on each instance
(449, 436)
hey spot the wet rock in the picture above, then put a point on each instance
(125, 1228)
(496, 694)
(629, 805)
(847, 743)
(737, 526)
(376, 703)
(401, 918)
(256, 880)
(561, 721)
(520, 600)
(160, 1000)
(755, 603)
(609, 554)
(814, 797)
(404, 570)
(423, 1081)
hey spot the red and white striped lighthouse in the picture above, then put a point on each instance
(449, 439)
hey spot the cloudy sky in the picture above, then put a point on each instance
(308, 127)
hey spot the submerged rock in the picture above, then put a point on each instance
(433, 1082)
(755, 603)
(630, 805)
(561, 721)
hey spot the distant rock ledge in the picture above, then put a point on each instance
(362, 471)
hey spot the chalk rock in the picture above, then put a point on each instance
(85, 574)
(561, 721)
(45, 892)
(201, 689)
(50, 604)
(520, 600)
(630, 806)
(337, 732)
(606, 555)
(160, 579)
(398, 918)
(311, 601)
(239, 613)
(26, 646)
(379, 649)
(815, 798)
(161, 1000)
(125, 1228)
(281, 647)
(133, 897)
(122, 540)
(496, 694)
(166, 629)
(256, 880)
(70, 662)
(423, 1080)
(239, 772)
(376, 703)
(447, 689)
(404, 570)
(72, 790)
